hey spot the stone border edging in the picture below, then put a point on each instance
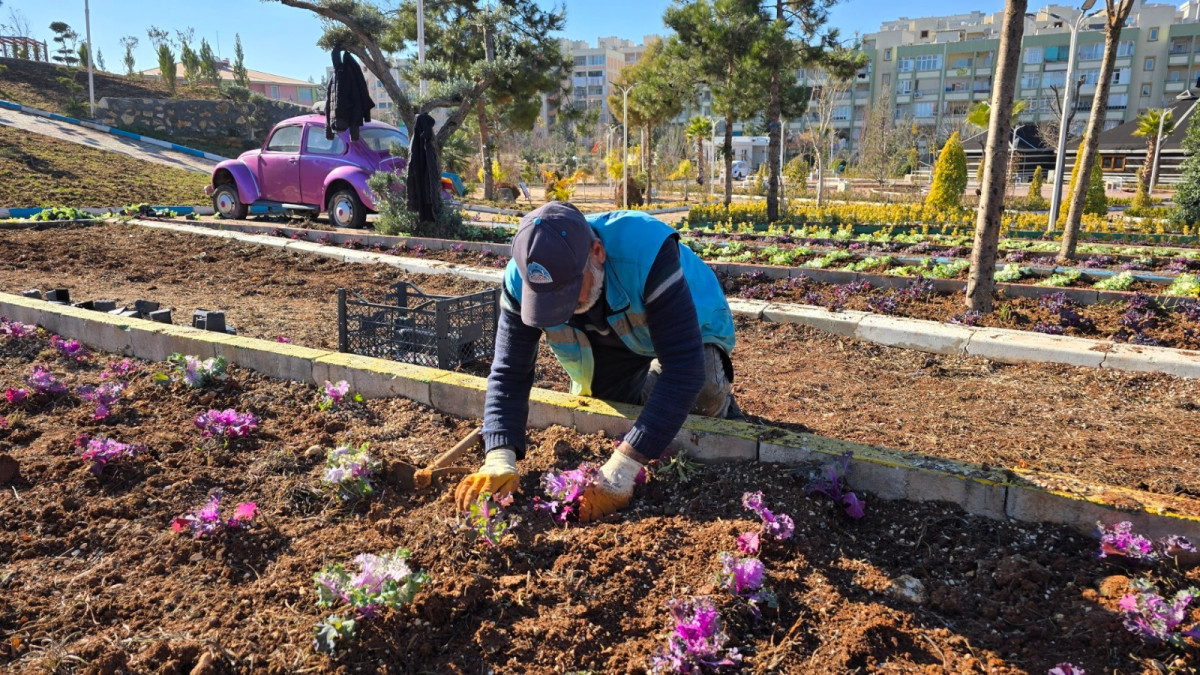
(997, 344)
(111, 130)
(890, 474)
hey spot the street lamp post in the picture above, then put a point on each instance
(625, 143)
(1060, 152)
(87, 22)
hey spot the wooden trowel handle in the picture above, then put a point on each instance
(450, 456)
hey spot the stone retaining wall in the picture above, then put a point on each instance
(192, 119)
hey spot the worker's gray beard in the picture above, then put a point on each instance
(597, 273)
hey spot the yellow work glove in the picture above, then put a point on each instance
(498, 475)
(614, 489)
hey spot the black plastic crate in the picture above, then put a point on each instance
(440, 331)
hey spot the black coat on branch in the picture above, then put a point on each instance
(423, 185)
(347, 102)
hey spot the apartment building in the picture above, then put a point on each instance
(933, 70)
(594, 68)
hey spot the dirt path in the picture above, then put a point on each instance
(94, 580)
(1123, 429)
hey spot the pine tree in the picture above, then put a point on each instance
(949, 177)
(1035, 189)
(1187, 194)
(240, 75)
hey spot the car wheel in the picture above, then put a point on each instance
(227, 203)
(347, 210)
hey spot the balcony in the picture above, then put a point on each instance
(1173, 87)
(1179, 59)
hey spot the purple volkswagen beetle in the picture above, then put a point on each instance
(297, 168)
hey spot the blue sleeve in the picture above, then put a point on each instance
(506, 407)
(675, 334)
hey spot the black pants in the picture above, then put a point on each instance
(625, 377)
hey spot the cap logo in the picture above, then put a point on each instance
(538, 274)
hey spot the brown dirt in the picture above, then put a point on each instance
(44, 171)
(94, 581)
(1127, 429)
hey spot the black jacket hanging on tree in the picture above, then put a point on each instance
(423, 185)
(347, 102)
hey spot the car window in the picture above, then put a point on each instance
(382, 140)
(285, 139)
(316, 143)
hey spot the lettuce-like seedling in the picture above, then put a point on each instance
(486, 519)
(196, 373)
(679, 468)
(206, 519)
(779, 526)
(71, 350)
(43, 382)
(382, 582)
(1151, 617)
(333, 394)
(224, 425)
(565, 489)
(831, 482)
(348, 470)
(697, 643)
(104, 396)
(101, 451)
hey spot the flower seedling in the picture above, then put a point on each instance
(1066, 669)
(697, 643)
(104, 396)
(748, 543)
(16, 329)
(70, 350)
(831, 482)
(101, 451)
(486, 519)
(42, 382)
(283, 339)
(779, 526)
(225, 425)
(206, 519)
(678, 468)
(565, 489)
(1151, 617)
(123, 368)
(743, 577)
(15, 395)
(383, 582)
(194, 372)
(333, 394)
(348, 470)
(1120, 540)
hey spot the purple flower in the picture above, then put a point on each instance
(333, 394)
(225, 424)
(779, 526)
(283, 339)
(15, 395)
(122, 368)
(748, 543)
(1154, 619)
(1066, 669)
(697, 643)
(968, 318)
(16, 329)
(565, 488)
(1120, 540)
(101, 451)
(348, 469)
(104, 396)
(831, 482)
(1175, 544)
(42, 381)
(206, 519)
(740, 575)
(71, 350)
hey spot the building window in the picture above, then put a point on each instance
(905, 65)
(1054, 78)
(1092, 52)
(923, 110)
(1029, 80)
(1121, 76)
(1174, 76)
(1090, 76)
(1153, 37)
(596, 60)
(841, 113)
(1059, 53)
(1149, 63)
(887, 78)
(1112, 162)
(1118, 101)
(961, 62)
(1145, 90)
(274, 92)
(887, 54)
(581, 60)
(924, 34)
(929, 62)
(904, 87)
(1033, 55)
(1125, 48)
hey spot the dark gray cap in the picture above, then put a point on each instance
(551, 250)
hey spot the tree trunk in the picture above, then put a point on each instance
(648, 158)
(774, 129)
(1148, 167)
(700, 163)
(1085, 156)
(485, 152)
(728, 148)
(981, 283)
(820, 157)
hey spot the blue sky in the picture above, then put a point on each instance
(282, 40)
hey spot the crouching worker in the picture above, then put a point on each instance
(632, 315)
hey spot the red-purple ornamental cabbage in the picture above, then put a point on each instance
(748, 543)
(225, 424)
(16, 395)
(101, 451)
(123, 368)
(1154, 619)
(42, 381)
(1120, 540)
(779, 526)
(698, 643)
(565, 489)
(104, 396)
(206, 519)
(1066, 669)
(16, 329)
(831, 482)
